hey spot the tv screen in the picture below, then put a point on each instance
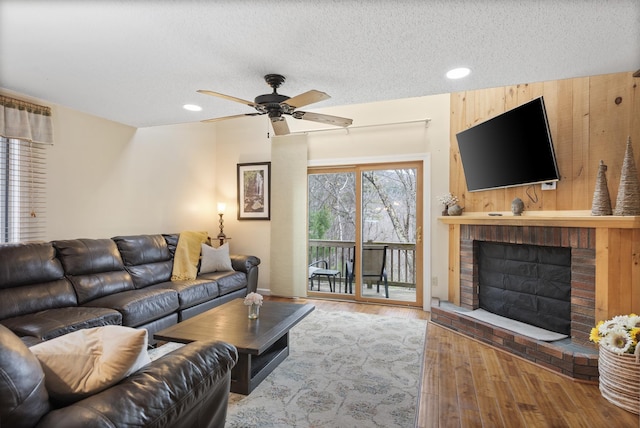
(511, 149)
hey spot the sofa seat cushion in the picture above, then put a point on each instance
(24, 398)
(101, 356)
(140, 306)
(227, 281)
(50, 323)
(191, 292)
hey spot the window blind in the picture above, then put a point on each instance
(22, 190)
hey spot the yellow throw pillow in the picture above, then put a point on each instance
(84, 362)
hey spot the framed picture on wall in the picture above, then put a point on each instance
(254, 191)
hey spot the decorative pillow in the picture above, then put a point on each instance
(85, 362)
(215, 259)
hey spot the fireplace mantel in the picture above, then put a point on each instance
(546, 218)
(617, 251)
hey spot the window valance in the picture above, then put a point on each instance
(25, 121)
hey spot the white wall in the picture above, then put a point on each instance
(245, 140)
(108, 179)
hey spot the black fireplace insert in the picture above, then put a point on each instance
(527, 283)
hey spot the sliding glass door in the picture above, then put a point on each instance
(365, 232)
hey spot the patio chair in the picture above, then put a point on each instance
(374, 260)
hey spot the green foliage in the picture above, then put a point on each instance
(319, 223)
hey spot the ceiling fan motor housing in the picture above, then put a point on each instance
(271, 102)
(267, 99)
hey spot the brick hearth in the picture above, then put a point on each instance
(575, 357)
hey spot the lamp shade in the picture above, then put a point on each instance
(221, 207)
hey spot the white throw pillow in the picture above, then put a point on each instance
(84, 362)
(215, 259)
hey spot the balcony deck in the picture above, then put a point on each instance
(400, 268)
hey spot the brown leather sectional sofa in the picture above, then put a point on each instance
(49, 289)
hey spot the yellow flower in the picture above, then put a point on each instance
(635, 335)
(594, 336)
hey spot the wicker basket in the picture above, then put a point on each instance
(620, 379)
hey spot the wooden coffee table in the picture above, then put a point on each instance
(262, 343)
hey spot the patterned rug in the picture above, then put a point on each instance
(344, 370)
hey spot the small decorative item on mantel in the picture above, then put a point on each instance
(619, 360)
(448, 200)
(253, 301)
(628, 200)
(455, 210)
(517, 206)
(601, 204)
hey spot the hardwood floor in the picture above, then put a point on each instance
(469, 384)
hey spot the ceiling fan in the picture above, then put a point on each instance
(276, 105)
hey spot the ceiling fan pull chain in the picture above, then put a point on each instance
(268, 128)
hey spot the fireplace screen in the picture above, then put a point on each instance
(527, 283)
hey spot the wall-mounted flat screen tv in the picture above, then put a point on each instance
(511, 149)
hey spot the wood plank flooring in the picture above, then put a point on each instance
(466, 383)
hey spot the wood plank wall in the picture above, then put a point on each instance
(590, 119)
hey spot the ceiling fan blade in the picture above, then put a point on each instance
(306, 98)
(280, 126)
(218, 119)
(228, 97)
(323, 118)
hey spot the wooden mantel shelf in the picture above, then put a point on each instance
(546, 218)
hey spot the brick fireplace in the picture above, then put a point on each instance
(583, 262)
(576, 356)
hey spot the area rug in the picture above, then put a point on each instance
(524, 329)
(344, 370)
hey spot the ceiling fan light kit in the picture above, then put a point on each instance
(276, 105)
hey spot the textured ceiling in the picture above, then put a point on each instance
(138, 62)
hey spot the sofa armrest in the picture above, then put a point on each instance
(248, 265)
(242, 263)
(188, 387)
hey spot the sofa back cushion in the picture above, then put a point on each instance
(32, 280)
(94, 267)
(146, 258)
(172, 242)
(22, 386)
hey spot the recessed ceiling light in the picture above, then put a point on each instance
(458, 73)
(192, 107)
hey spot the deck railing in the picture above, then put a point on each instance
(400, 261)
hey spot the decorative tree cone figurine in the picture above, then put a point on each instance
(628, 200)
(601, 204)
